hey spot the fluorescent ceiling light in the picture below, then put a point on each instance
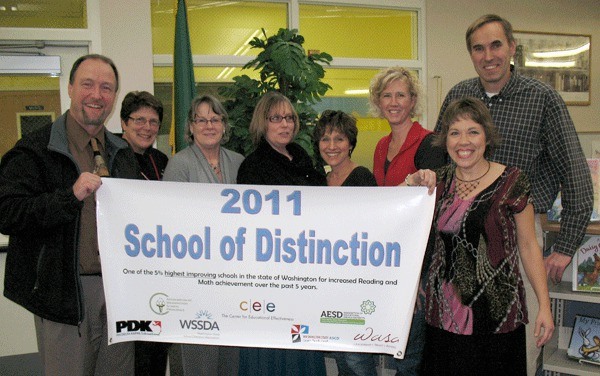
(562, 53)
(356, 91)
(36, 65)
(550, 64)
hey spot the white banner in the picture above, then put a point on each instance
(322, 268)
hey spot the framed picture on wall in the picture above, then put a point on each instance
(28, 122)
(560, 60)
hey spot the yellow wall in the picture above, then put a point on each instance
(17, 83)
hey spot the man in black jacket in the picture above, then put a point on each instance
(48, 209)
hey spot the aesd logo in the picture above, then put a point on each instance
(332, 314)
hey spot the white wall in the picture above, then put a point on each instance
(127, 39)
(16, 326)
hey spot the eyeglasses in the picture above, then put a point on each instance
(141, 121)
(279, 118)
(203, 122)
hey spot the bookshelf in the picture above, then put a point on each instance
(555, 360)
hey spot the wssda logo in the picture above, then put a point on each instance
(139, 327)
(203, 321)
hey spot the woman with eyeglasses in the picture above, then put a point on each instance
(205, 160)
(278, 161)
(141, 117)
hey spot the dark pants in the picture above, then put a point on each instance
(489, 354)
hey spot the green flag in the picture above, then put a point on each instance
(184, 88)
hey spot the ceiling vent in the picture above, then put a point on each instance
(25, 64)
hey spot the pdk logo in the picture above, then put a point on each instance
(298, 331)
(139, 327)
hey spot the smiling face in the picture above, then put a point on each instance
(208, 133)
(491, 53)
(92, 94)
(279, 135)
(466, 143)
(141, 137)
(396, 103)
(334, 147)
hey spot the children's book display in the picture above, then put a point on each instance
(585, 340)
(586, 265)
(594, 165)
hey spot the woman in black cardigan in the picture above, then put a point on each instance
(278, 161)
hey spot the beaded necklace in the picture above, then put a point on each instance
(465, 187)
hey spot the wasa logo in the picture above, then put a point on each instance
(298, 331)
(203, 321)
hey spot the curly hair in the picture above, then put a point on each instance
(384, 78)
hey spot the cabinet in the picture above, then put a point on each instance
(555, 360)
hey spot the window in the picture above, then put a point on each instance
(363, 36)
(358, 32)
(64, 14)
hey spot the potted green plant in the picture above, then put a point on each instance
(284, 66)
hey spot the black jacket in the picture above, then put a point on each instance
(266, 166)
(40, 213)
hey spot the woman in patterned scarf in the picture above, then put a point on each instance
(483, 227)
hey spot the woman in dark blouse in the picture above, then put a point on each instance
(336, 136)
(141, 117)
(278, 161)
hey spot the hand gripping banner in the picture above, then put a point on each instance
(321, 268)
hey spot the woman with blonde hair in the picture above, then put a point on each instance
(396, 95)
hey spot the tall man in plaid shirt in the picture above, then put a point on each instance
(538, 136)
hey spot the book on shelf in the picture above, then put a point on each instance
(585, 340)
(586, 265)
(594, 165)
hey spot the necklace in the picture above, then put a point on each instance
(465, 187)
(217, 171)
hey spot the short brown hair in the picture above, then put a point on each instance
(103, 58)
(473, 109)
(486, 19)
(340, 121)
(135, 100)
(259, 123)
